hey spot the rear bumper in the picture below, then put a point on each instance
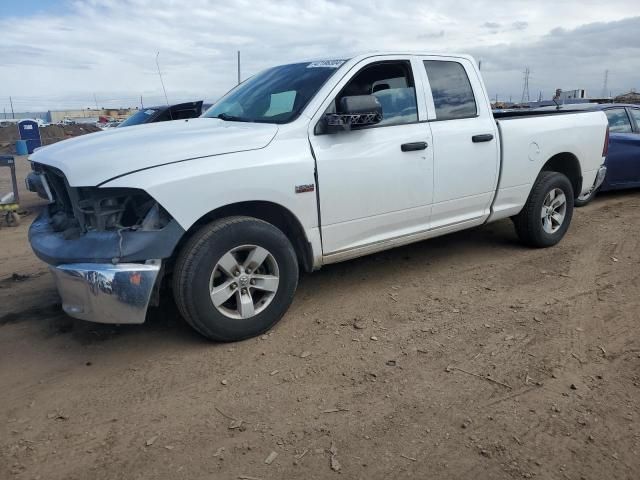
(106, 293)
(602, 173)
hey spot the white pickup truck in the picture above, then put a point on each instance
(299, 166)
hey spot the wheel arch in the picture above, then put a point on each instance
(273, 213)
(567, 164)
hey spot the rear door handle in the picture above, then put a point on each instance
(487, 137)
(412, 147)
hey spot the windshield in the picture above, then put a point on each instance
(139, 117)
(277, 95)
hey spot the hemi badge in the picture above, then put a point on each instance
(305, 188)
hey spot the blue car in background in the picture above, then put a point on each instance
(623, 159)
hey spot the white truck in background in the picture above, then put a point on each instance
(299, 166)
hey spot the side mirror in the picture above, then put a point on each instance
(355, 111)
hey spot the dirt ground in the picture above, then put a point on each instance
(463, 357)
(48, 135)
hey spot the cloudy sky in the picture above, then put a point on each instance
(60, 53)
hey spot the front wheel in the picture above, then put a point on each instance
(546, 216)
(235, 278)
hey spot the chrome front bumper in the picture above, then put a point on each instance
(106, 293)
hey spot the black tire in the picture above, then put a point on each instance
(581, 202)
(197, 260)
(528, 222)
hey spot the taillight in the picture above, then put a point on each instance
(605, 149)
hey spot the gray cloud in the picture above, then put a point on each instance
(568, 59)
(426, 36)
(108, 48)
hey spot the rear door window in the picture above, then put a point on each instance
(452, 93)
(618, 120)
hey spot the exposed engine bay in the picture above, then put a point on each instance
(78, 210)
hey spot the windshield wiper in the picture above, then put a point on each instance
(231, 118)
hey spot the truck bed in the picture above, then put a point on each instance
(526, 113)
(537, 137)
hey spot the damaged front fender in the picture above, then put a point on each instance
(115, 246)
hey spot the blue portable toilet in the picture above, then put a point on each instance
(30, 133)
(21, 147)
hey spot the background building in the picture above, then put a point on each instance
(630, 97)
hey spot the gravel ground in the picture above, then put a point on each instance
(467, 356)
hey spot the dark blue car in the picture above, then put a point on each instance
(623, 159)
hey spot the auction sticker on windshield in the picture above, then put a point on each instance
(326, 64)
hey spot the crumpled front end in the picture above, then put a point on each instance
(105, 246)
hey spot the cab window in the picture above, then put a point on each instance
(392, 84)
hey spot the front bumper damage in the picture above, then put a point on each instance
(105, 277)
(55, 248)
(106, 293)
(104, 246)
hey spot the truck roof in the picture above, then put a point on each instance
(374, 53)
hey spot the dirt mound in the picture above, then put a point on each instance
(8, 137)
(49, 134)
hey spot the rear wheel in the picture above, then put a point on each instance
(546, 216)
(235, 278)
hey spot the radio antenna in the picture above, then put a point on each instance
(161, 82)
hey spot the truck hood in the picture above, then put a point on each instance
(92, 159)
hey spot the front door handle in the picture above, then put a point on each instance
(412, 147)
(487, 137)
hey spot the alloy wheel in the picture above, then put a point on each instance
(244, 281)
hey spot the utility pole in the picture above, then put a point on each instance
(141, 104)
(4, 109)
(96, 101)
(525, 86)
(238, 67)
(605, 85)
(13, 115)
